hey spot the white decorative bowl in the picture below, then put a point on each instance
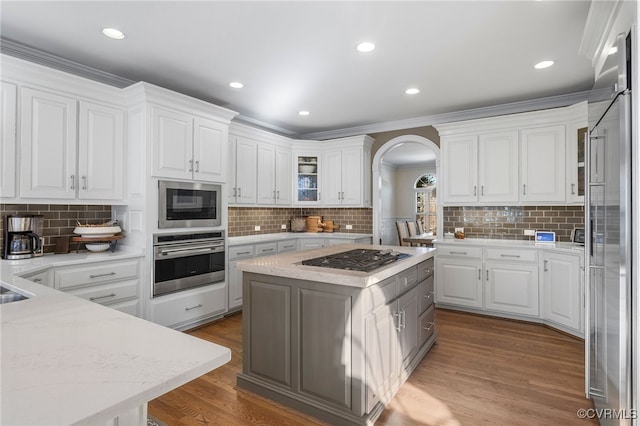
(97, 247)
(97, 231)
(306, 168)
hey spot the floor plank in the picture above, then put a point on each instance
(483, 371)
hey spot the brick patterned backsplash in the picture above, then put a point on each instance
(509, 222)
(59, 220)
(242, 220)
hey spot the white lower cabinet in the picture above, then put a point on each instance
(563, 292)
(115, 284)
(311, 243)
(188, 308)
(511, 288)
(459, 278)
(541, 284)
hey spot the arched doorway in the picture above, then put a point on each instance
(381, 227)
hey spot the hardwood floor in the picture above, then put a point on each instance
(482, 371)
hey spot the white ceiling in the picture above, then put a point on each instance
(300, 55)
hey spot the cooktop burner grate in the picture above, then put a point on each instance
(365, 260)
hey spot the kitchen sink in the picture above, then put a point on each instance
(8, 296)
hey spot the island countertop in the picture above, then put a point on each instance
(289, 265)
(69, 361)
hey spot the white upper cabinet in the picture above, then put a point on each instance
(70, 149)
(543, 164)
(210, 150)
(188, 147)
(48, 144)
(481, 168)
(460, 180)
(100, 152)
(275, 175)
(246, 176)
(346, 172)
(514, 159)
(8, 116)
(498, 167)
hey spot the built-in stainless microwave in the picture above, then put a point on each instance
(189, 204)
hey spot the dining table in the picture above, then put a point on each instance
(426, 239)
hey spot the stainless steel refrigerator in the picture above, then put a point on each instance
(609, 241)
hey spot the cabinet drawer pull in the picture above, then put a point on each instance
(101, 297)
(397, 315)
(190, 165)
(102, 275)
(517, 256)
(546, 266)
(482, 190)
(487, 275)
(475, 190)
(84, 182)
(524, 189)
(193, 307)
(197, 166)
(573, 189)
(244, 252)
(428, 295)
(37, 280)
(431, 324)
(277, 195)
(458, 252)
(479, 274)
(239, 192)
(235, 192)
(265, 250)
(73, 181)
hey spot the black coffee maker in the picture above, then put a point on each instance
(22, 238)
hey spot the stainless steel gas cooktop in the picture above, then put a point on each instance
(365, 260)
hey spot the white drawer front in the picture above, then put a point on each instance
(108, 293)
(95, 274)
(241, 252)
(173, 309)
(460, 252)
(285, 246)
(514, 255)
(266, 249)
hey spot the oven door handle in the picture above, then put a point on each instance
(183, 252)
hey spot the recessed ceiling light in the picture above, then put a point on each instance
(613, 50)
(543, 64)
(236, 85)
(303, 113)
(366, 47)
(412, 91)
(113, 33)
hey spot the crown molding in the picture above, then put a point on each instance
(30, 54)
(464, 115)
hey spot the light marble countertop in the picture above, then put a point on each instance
(487, 242)
(69, 361)
(279, 236)
(288, 265)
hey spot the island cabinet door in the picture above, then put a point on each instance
(268, 331)
(325, 369)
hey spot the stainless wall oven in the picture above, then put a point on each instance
(189, 204)
(187, 260)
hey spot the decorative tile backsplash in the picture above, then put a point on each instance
(509, 222)
(242, 220)
(59, 220)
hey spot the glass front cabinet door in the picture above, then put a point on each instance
(307, 179)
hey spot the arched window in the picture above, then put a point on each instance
(426, 202)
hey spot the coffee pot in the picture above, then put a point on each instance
(22, 238)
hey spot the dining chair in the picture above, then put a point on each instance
(420, 227)
(411, 226)
(401, 226)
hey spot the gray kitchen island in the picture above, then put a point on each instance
(336, 344)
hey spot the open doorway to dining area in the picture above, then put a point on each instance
(405, 182)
